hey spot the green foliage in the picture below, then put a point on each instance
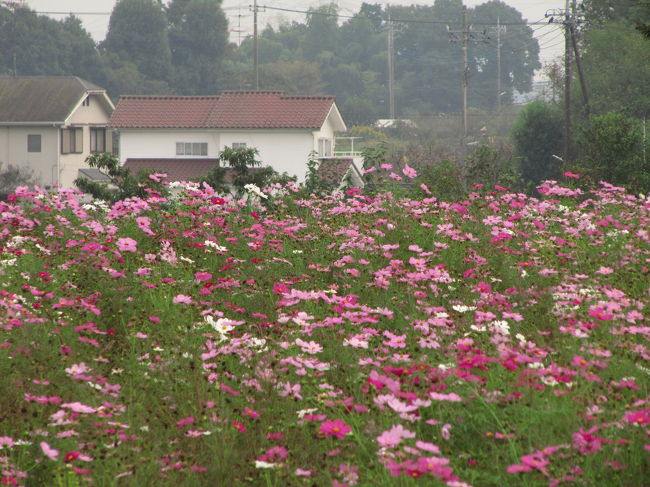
(444, 179)
(12, 176)
(537, 136)
(483, 165)
(39, 45)
(617, 67)
(612, 150)
(313, 183)
(137, 33)
(198, 39)
(240, 159)
(375, 155)
(122, 183)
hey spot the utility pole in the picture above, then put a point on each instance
(576, 52)
(499, 46)
(256, 47)
(567, 83)
(391, 67)
(466, 38)
(465, 78)
(570, 46)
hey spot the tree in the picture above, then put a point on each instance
(198, 39)
(519, 54)
(537, 136)
(612, 148)
(137, 32)
(294, 78)
(38, 45)
(616, 60)
(13, 176)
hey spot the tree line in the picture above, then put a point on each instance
(182, 47)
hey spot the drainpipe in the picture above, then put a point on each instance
(58, 156)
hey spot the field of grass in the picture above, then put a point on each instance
(346, 340)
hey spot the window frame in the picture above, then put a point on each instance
(72, 140)
(325, 147)
(31, 141)
(194, 149)
(94, 132)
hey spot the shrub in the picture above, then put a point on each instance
(537, 136)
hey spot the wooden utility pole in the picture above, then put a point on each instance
(567, 82)
(499, 46)
(576, 52)
(391, 67)
(465, 78)
(255, 47)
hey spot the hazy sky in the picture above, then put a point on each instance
(550, 37)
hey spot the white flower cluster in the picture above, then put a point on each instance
(214, 245)
(252, 189)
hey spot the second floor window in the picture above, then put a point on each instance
(191, 148)
(97, 140)
(325, 147)
(72, 140)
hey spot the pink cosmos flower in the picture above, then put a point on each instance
(127, 244)
(77, 407)
(49, 452)
(6, 441)
(638, 417)
(394, 436)
(336, 428)
(409, 172)
(182, 299)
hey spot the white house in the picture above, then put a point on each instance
(50, 125)
(186, 129)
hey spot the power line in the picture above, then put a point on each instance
(404, 21)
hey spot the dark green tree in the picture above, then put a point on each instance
(38, 45)
(616, 60)
(519, 54)
(612, 150)
(537, 137)
(198, 39)
(138, 33)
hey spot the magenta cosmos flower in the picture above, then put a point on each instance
(336, 428)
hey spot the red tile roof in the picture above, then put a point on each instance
(232, 109)
(332, 171)
(135, 111)
(176, 169)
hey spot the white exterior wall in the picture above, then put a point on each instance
(93, 115)
(284, 150)
(161, 144)
(13, 150)
(326, 132)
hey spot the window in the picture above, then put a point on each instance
(191, 148)
(34, 143)
(116, 143)
(239, 145)
(97, 140)
(72, 140)
(325, 147)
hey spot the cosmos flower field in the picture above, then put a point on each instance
(337, 341)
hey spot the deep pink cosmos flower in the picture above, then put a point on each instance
(336, 428)
(638, 417)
